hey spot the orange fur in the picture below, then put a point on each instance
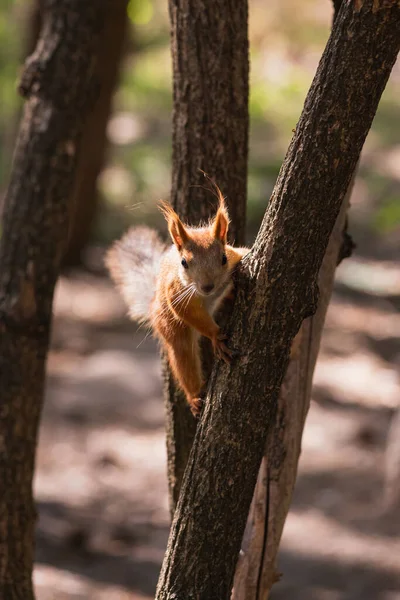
(186, 298)
(176, 228)
(180, 323)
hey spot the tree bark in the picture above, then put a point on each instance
(276, 290)
(94, 145)
(59, 86)
(256, 570)
(210, 132)
(336, 7)
(33, 26)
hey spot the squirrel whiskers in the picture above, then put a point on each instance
(177, 289)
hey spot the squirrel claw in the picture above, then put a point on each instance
(196, 405)
(221, 350)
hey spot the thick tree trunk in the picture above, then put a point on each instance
(210, 132)
(58, 84)
(277, 289)
(256, 570)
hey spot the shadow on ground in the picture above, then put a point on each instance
(101, 476)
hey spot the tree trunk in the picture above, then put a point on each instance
(33, 25)
(276, 290)
(256, 569)
(58, 84)
(210, 132)
(93, 148)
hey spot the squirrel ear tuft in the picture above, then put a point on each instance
(220, 225)
(176, 228)
(221, 222)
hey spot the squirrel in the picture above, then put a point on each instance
(177, 289)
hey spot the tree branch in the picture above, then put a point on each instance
(277, 289)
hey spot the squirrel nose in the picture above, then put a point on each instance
(207, 288)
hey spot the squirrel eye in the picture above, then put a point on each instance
(224, 259)
(184, 263)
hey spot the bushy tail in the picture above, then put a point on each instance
(134, 263)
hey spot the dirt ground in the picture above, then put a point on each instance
(101, 468)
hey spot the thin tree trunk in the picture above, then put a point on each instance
(58, 84)
(277, 289)
(210, 132)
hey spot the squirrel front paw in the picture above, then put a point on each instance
(196, 406)
(221, 350)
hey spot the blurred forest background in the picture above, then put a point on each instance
(101, 474)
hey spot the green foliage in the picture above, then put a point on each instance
(146, 83)
(9, 54)
(140, 11)
(387, 218)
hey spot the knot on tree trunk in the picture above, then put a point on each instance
(19, 309)
(31, 78)
(36, 81)
(56, 49)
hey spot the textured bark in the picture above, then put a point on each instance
(277, 289)
(336, 7)
(256, 570)
(210, 132)
(93, 146)
(58, 84)
(93, 149)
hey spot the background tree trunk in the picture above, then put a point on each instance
(58, 83)
(277, 289)
(32, 26)
(210, 132)
(93, 147)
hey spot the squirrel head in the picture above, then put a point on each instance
(203, 261)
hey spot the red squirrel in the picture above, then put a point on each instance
(177, 289)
